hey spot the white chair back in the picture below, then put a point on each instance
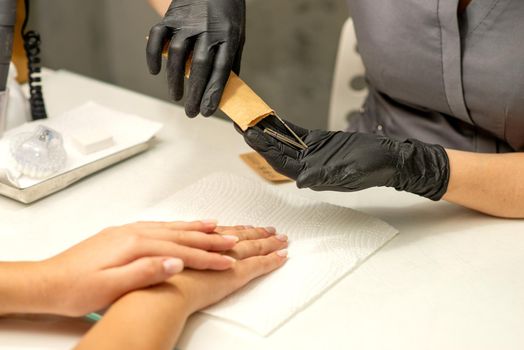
(349, 88)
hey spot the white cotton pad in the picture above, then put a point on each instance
(326, 243)
(90, 140)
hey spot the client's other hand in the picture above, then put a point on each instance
(258, 252)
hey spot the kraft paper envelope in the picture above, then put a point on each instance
(239, 102)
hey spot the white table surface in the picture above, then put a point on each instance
(452, 278)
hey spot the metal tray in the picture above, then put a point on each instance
(61, 181)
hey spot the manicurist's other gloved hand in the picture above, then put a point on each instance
(215, 31)
(345, 161)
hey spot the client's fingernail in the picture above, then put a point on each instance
(271, 230)
(231, 238)
(282, 253)
(281, 237)
(230, 258)
(172, 266)
(210, 221)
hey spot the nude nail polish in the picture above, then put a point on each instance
(282, 253)
(172, 266)
(231, 238)
(230, 258)
(271, 230)
(281, 237)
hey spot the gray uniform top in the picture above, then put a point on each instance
(434, 75)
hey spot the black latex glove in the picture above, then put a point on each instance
(344, 161)
(215, 31)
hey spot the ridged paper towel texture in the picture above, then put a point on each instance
(326, 242)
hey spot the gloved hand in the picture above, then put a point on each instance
(215, 31)
(344, 161)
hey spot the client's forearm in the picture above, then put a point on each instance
(146, 319)
(490, 183)
(22, 289)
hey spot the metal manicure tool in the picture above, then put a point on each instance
(297, 143)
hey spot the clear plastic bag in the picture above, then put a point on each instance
(38, 154)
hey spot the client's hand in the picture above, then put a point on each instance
(153, 318)
(99, 270)
(258, 252)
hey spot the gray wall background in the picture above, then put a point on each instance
(288, 58)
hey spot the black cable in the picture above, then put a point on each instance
(32, 49)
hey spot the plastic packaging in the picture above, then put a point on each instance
(38, 154)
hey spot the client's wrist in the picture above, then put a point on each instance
(184, 303)
(164, 297)
(24, 289)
